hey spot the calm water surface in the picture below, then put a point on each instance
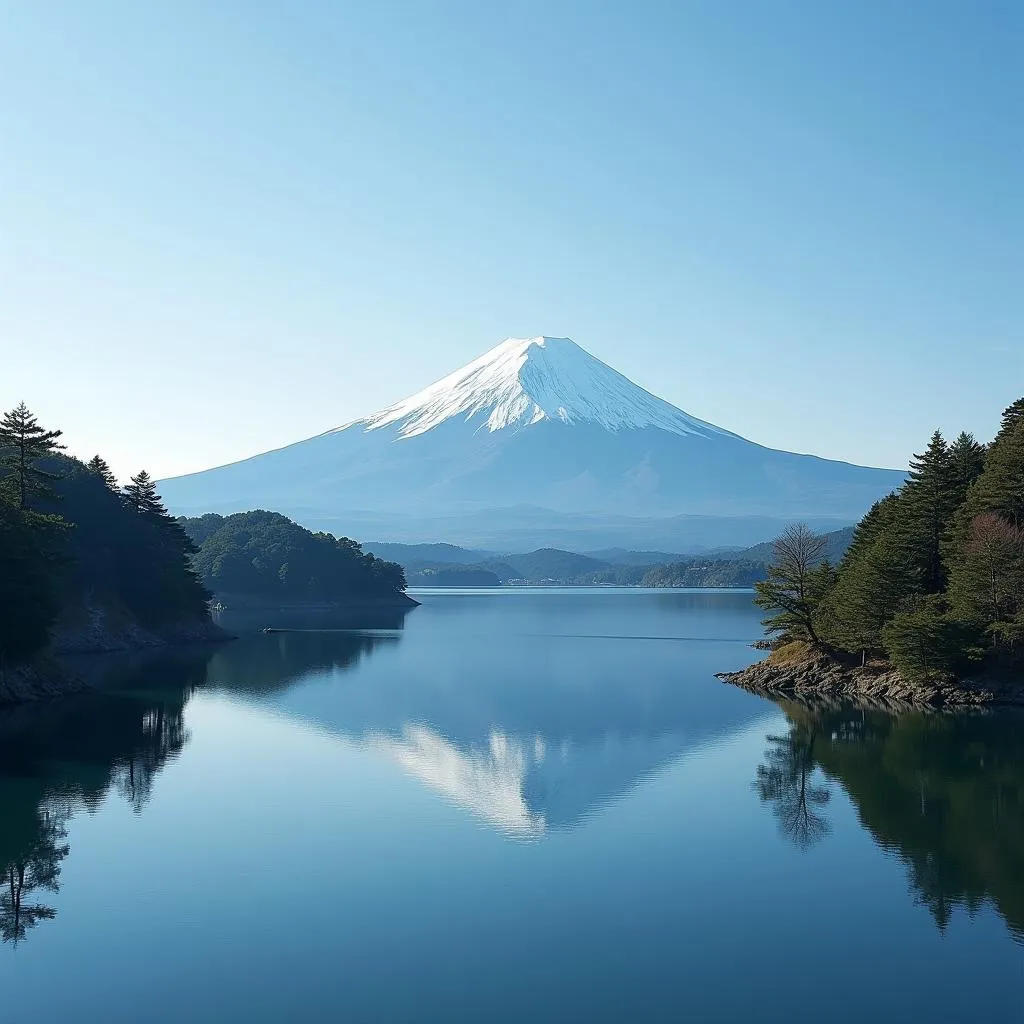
(518, 806)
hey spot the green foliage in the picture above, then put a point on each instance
(928, 501)
(874, 581)
(934, 568)
(620, 568)
(704, 572)
(966, 462)
(926, 642)
(99, 466)
(71, 543)
(456, 576)
(28, 590)
(23, 443)
(265, 555)
(798, 581)
(1000, 487)
(987, 586)
(943, 793)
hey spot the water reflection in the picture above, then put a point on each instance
(944, 793)
(527, 750)
(34, 870)
(58, 758)
(786, 781)
(490, 783)
(61, 757)
(529, 747)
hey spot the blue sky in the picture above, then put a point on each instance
(226, 226)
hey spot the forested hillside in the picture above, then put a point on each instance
(81, 558)
(933, 579)
(428, 564)
(264, 556)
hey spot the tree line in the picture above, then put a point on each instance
(74, 542)
(933, 579)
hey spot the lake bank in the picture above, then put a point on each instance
(249, 603)
(820, 678)
(74, 663)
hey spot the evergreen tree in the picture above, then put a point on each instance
(966, 462)
(1000, 487)
(99, 466)
(928, 501)
(925, 642)
(875, 579)
(22, 444)
(987, 585)
(798, 580)
(872, 586)
(28, 596)
(1013, 416)
(141, 495)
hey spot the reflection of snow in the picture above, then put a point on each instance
(510, 781)
(487, 782)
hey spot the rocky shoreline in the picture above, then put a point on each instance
(820, 678)
(104, 633)
(54, 673)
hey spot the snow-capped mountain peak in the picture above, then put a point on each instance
(526, 380)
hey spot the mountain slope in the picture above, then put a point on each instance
(536, 422)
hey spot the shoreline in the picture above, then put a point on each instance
(238, 603)
(820, 678)
(53, 673)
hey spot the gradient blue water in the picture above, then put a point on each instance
(522, 806)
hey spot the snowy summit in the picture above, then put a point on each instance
(527, 380)
(526, 446)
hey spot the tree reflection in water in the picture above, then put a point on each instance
(945, 793)
(36, 870)
(60, 757)
(785, 781)
(57, 758)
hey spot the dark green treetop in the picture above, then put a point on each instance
(99, 466)
(23, 442)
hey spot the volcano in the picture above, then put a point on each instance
(538, 432)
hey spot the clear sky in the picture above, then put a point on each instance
(228, 226)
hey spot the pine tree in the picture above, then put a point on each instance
(1013, 415)
(872, 586)
(99, 466)
(966, 463)
(928, 502)
(1000, 488)
(22, 444)
(925, 642)
(28, 596)
(987, 585)
(141, 495)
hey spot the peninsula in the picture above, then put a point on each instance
(926, 607)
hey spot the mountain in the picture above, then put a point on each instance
(454, 567)
(532, 432)
(836, 544)
(417, 556)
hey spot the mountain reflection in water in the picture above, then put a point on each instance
(527, 752)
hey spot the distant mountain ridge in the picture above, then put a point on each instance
(534, 433)
(552, 566)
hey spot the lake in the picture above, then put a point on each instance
(503, 806)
